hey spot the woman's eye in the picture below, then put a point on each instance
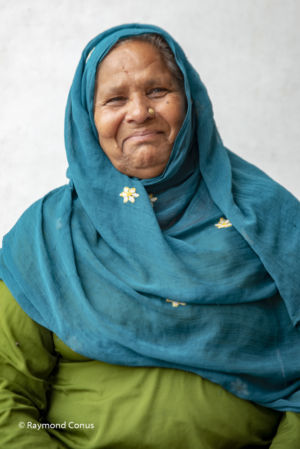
(158, 92)
(115, 100)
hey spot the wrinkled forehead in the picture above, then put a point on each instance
(127, 50)
(131, 58)
(153, 40)
(139, 47)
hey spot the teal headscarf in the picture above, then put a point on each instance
(203, 279)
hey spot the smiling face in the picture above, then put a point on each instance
(139, 109)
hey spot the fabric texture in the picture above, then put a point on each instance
(102, 274)
(44, 381)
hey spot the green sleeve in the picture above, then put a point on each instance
(288, 432)
(26, 362)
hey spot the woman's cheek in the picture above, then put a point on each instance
(107, 124)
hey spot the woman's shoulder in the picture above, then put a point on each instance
(247, 177)
(19, 333)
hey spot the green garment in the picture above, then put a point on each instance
(44, 381)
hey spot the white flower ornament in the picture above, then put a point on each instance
(223, 223)
(129, 194)
(152, 198)
(176, 303)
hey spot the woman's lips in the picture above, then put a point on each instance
(142, 136)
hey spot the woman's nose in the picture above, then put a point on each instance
(138, 110)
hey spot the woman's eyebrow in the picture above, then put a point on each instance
(111, 90)
(156, 81)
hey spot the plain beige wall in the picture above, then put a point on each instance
(246, 51)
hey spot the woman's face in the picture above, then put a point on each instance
(132, 82)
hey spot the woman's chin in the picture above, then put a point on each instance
(141, 171)
(143, 162)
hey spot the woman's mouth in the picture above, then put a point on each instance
(142, 136)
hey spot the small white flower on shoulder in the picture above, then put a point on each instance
(223, 223)
(152, 198)
(129, 194)
(176, 303)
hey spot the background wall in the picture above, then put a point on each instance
(247, 52)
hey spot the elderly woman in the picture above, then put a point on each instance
(152, 302)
